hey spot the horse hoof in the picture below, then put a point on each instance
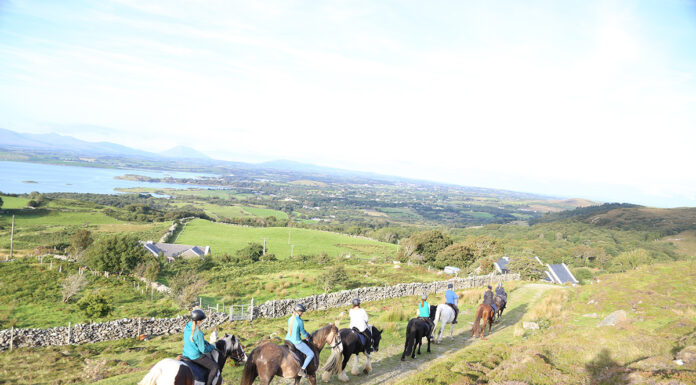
(403, 359)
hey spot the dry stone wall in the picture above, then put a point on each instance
(131, 328)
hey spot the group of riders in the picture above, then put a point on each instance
(196, 348)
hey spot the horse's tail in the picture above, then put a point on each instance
(333, 364)
(250, 373)
(437, 315)
(410, 338)
(479, 314)
(152, 376)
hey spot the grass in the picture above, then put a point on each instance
(570, 348)
(13, 202)
(32, 295)
(227, 239)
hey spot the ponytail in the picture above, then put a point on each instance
(195, 326)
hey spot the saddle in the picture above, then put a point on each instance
(299, 356)
(200, 374)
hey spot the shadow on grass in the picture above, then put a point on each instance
(604, 370)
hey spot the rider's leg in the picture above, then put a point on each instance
(456, 313)
(209, 364)
(304, 348)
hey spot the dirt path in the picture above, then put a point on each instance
(388, 367)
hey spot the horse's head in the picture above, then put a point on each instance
(234, 349)
(334, 338)
(376, 337)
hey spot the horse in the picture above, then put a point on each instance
(500, 304)
(445, 315)
(351, 345)
(484, 311)
(269, 359)
(416, 329)
(174, 372)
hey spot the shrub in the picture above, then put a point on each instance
(426, 243)
(583, 274)
(527, 266)
(629, 260)
(81, 240)
(186, 286)
(72, 285)
(333, 277)
(95, 305)
(252, 252)
(120, 253)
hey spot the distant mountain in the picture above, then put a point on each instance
(66, 144)
(183, 152)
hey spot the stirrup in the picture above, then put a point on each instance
(302, 373)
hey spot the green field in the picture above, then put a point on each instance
(13, 202)
(227, 239)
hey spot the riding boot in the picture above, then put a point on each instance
(302, 373)
(456, 313)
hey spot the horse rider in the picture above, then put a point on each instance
(196, 347)
(451, 299)
(500, 291)
(295, 331)
(488, 298)
(358, 322)
(424, 313)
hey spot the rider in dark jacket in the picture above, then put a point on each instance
(488, 298)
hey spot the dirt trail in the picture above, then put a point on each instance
(388, 367)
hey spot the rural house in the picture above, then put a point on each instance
(172, 251)
(555, 273)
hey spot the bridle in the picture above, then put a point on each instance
(338, 343)
(237, 355)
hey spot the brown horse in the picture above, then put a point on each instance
(269, 360)
(484, 311)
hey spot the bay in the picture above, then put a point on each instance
(20, 177)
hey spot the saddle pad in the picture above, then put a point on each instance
(362, 338)
(199, 373)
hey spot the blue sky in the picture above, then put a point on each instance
(591, 99)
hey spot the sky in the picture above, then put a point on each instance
(591, 99)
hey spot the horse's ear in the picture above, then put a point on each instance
(227, 335)
(337, 323)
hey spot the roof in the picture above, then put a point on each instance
(561, 274)
(174, 250)
(501, 265)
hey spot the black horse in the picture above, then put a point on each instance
(500, 304)
(352, 345)
(416, 329)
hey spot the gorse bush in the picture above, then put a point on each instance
(95, 305)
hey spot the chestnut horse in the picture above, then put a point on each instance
(484, 311)
(269, 360)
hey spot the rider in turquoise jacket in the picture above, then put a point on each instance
(296, 331)
(195, 346)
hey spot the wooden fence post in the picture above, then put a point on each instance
(69, 332)
(11, 338)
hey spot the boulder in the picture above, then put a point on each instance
(687, 355)
(530, 325)
(613, 318)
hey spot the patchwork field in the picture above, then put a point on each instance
(227, 239)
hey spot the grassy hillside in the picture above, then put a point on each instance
(571, 348)
(227, 239)
(31, 295)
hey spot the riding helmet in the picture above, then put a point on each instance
(449, 286)
(300, 307)
(197, 315)
(489, 286)
(424, 297)
(356, 301)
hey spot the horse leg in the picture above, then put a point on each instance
(342, 376)
(428, 343)
(368, 364)
(312, 379)
(355, 371)
(452, 332)
(442, 330)
(420, 343)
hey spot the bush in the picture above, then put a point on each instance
(252, 252)
(117, 253)
(463, 254)
(426, 243)
(333, 277)
(629, 260)
(80, 241)
(583, 274)
(527, 266)
(95, 305)
(72, 285)
(186, 286)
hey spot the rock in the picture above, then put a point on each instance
(687, 355)
(613, 318)
(530, 325)
(679, 362)
(590, 315)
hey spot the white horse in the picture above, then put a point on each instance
(173, 372)
(445, 315)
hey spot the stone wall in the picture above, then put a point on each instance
(131, 328)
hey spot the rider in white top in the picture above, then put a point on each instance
(358, 322)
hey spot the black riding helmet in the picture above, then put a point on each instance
(300, 307)
(197, 315)
(449, 286)
(356, 301)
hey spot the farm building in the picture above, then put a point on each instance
(172, 251)
(555, 273)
